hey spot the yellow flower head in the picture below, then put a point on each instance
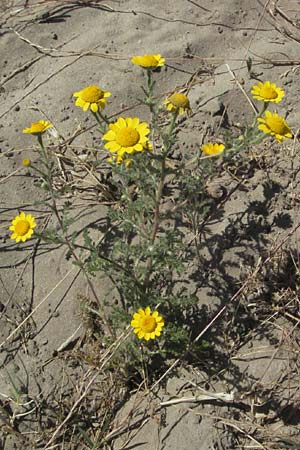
(38, 127)
(212, 149)
(91, 97)
(127, 136)
(26, 162)
(268, 92)
(178, 102)
(148, 61)
(22, 227)
(146, 325)
(275, 125)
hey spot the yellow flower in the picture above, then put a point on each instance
(38, 127)
(127, 136)
(26, 162)
(146, 325)
(213, 149)
(22, 227)
(148, 61)
(275, 125)
(268, 92)
(178, 102)
(91, 97)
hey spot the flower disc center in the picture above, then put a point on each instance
(127, 137)
(92, 94)
(268, 92)
(22, 227)
(179, 100)
(277, 125)
(148, 324)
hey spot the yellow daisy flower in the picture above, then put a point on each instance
(148, 61)
(178, 102)
(275, 125)
(91, 97)
(268, 92)
(127, 136)
(146, 325)
(38, 127)
(22, 227)
(212, 149)
(26, 162)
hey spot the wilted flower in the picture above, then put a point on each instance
(178, 102)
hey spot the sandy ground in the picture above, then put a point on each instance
(50, 50)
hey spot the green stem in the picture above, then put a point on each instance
(149, 97)
(45, 156)
(260, 113)
(156, 217)
(113, 263)
(167, 144)
(98, 119)
(103, 117)
(263, 109)
(158, 199)
(48, 175)
(167, 141)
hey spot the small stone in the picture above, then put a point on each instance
(17, 108)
